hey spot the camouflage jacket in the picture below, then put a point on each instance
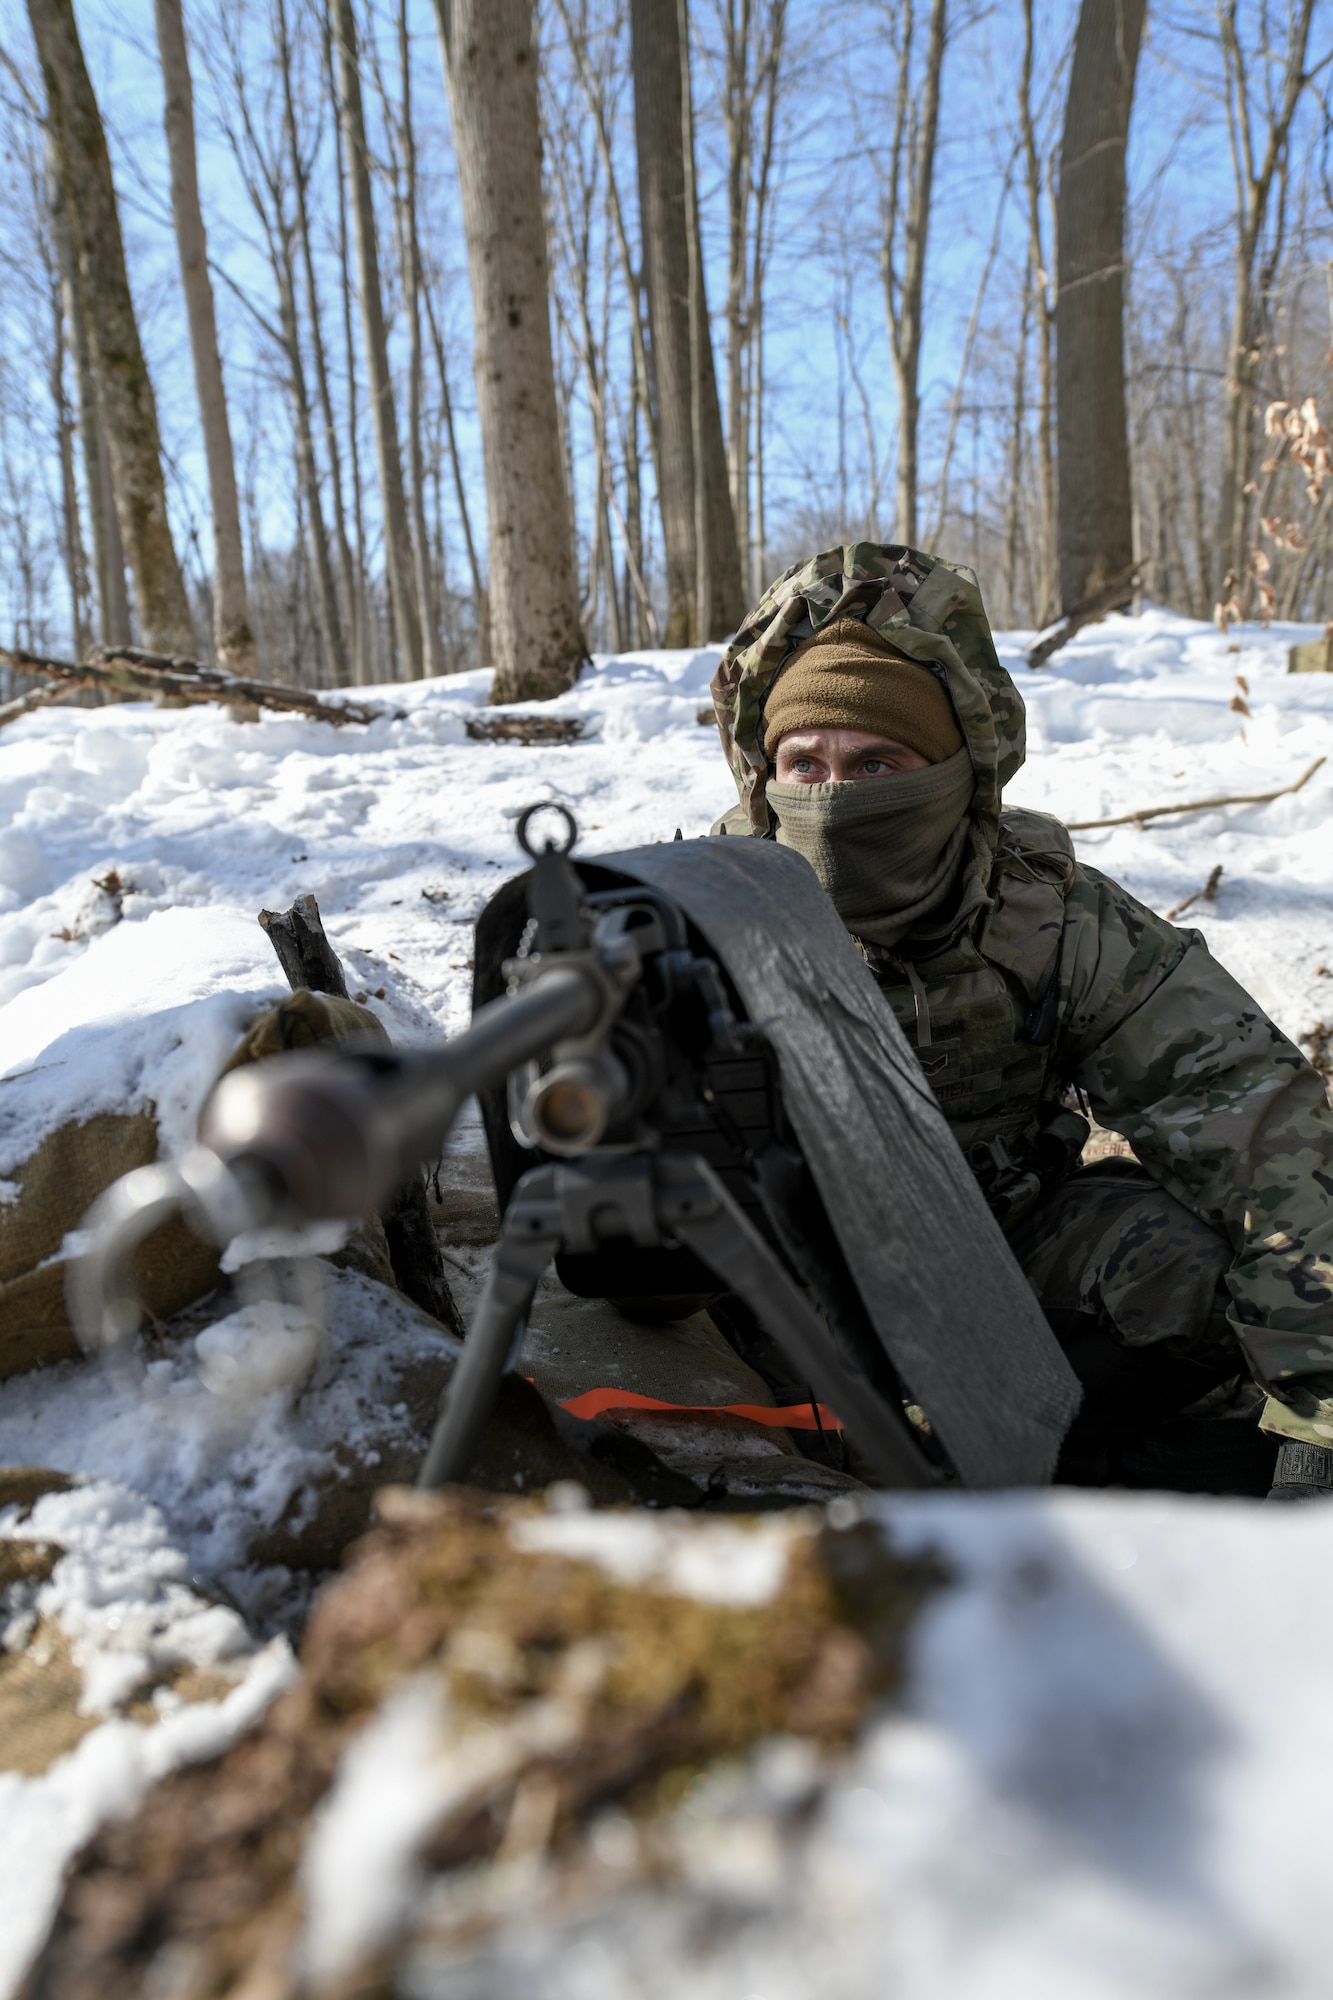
(1061, 978)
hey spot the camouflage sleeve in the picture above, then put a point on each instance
(1226, 1113)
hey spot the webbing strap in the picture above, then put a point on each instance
(790, 1417)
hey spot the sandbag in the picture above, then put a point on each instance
(74, 1164)
(57, 1186)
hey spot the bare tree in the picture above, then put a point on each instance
(752, 48)
(914, 131)
(76, 561)
(128, 406)
(232, 638)
(692, 476)
(410, 260)
(1260, 172)
(300, 172)
(1039, 307)
(1096, 523)
(398, 555)
(491, 72)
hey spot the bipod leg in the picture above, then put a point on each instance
(694, 1205)
(529, 1239)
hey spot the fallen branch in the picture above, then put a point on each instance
(1208, 894)
(1088, 609)
(1195, 805)
(39, 697)
(130, 670)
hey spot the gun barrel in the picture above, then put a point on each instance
(323, 1135)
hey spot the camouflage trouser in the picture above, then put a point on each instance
(1133, 1286)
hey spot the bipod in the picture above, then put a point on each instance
(655, 1200)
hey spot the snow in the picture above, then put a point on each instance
(236, 1429)
(1103, 1781)
(123, 1597)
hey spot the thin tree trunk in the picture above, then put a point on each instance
(129, 410)
(326, 595)
(491, 72)
(233, 639)
(682, 349)
(112, 626)
(1014, 496)
(411, 254)
(76, 561)
(480, 595)
(300, 178)
(398, 557)
(595, 99)
(1096, 523)
(738, 117)
(758, 577)
(360, 615)
(1040, 291)
(1255, 182)
(914, 146)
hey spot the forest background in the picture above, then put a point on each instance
(826, 186)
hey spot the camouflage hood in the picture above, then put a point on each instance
(931, 610)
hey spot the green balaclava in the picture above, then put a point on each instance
(887, 850)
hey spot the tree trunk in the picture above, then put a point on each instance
(433, 655)
(76, 561)
(359, 615)
(908, 220)
(682, 348)
(300, 174)
(1255, 178)
(398, 557)
(480, 596)
(490, 63)
(233, 639)
(1095, 519)
(129, 410)
(335, 654)
(1039, 287)
(112, 626)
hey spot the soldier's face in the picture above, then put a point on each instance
(828, 756)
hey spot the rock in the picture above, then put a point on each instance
(504, 1714)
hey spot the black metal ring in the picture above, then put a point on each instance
(543, 806)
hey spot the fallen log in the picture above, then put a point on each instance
(1110, 597)
(525, 729)
(39, 697)
(129, 670)
(308, 959)
(1195, 805)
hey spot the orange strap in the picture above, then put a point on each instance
(794, 1417)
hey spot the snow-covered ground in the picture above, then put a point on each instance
(1170, 1683)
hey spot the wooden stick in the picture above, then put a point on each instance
(1195, 805)
(304, 952)
(1088, 609)
(132, 671)
(1208, 894)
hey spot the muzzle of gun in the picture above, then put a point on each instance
(327, 1134)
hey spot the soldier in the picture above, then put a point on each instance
(870, 726)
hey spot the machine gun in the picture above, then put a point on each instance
(709, 1106)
